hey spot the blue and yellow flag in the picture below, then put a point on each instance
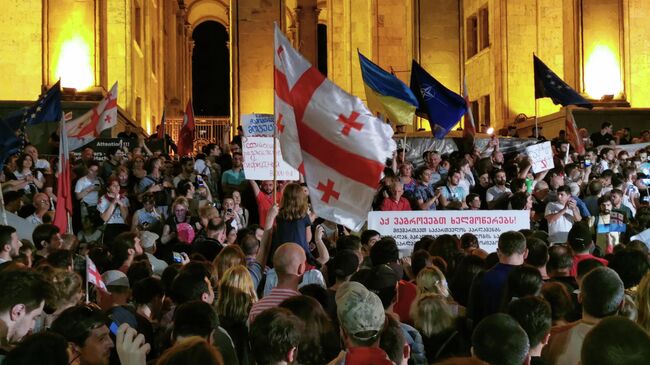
(387, 94)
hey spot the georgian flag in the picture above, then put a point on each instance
(330, 136)
(87, 127)
(93, 276)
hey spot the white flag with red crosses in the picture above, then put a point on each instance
(87, 127)
(330, 136)
(93, 276)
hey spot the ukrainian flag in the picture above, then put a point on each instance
(386, 94)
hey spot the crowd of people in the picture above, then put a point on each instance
(189, 262)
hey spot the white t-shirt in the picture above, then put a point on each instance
(116, 217)
(92, 197)
(31, 187)
(558, 231)
(495, 193)
(42, 164)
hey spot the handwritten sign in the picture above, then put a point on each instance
(541, 156)
(407, 227)
(258, 125)
(258, 160)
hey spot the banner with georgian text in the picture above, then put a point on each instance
(407, 227)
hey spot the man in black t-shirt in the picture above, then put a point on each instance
(604, 137)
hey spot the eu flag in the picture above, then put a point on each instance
(441, 106)
(387, 94)
(549, 85)
(46, 109)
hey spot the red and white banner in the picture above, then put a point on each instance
(487, 225)
(330, 136)
(87, 127)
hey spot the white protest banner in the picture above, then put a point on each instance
(258, 125)
(541, 156)
(407, 227)
(258, 160)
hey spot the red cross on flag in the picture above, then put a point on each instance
(87, 127)
(330, 136)
(93, 276)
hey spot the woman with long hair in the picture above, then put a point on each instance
(431, 280)
(26, 173)
(406, 177)
(236, 296)
(293, 222)
(443, 333)
(230, 256)
(239, 209)
(643, 302)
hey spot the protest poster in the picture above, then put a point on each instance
(258, 125)
(258, 160)
(541, 156)
(407, 227)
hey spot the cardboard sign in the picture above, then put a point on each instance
(541, 156)
(407, 227)
(258, 125)
(258, 160)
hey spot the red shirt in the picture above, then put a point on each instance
(582, 257)
(406, 292)
(367, 355)
(389, 204)
(264, 204)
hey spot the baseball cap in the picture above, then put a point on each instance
(579, 237)
(148, 239)
(345, 263)
(115, 278)
(360, 311)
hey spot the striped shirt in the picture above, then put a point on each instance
(272, 300)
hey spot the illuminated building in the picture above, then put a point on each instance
(600, 47)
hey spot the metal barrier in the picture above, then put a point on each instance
(206, 130)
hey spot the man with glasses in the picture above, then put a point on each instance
(41, 203)
(85, 328)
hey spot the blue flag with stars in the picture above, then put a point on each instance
(549, 85)
(46, 109)
(441, 106)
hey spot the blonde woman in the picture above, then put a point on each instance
(643, 302)
(293, 223)
(180, 225)
(431, 280)
(236, 298)
(443, 334)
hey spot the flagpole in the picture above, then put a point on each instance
(536, 112)
(87, 295)
(4, 209)
(275, 170)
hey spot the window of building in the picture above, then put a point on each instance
(483, 28)
(473, 105)
(485, 110)
(137, 30)
(471, 36)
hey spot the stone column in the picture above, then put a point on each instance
(307, 29)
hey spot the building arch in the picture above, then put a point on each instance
(208, 10)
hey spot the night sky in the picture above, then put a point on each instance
(210, 70)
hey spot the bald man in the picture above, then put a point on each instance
(289, 263)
